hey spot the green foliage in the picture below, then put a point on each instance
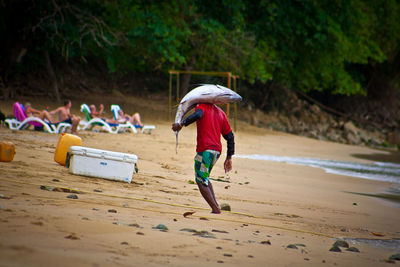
(315, 40)
(306, 45)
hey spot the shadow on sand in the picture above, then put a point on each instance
(391, 157)
(391, 195)
(385, 156)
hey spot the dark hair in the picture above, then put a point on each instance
(66, 102)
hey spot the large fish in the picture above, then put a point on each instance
(207, 93)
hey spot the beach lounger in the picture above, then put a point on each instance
(143, 129)
(21, 122)
(90, 122)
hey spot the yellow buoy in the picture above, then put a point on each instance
(64, 143)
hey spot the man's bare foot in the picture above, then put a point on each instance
(216, 211)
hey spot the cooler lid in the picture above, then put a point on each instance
(102, 154)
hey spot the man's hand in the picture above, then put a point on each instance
(176, 127)
(228, 164)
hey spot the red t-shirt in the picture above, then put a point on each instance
(212, 124)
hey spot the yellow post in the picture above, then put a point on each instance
(177, 87)
(234, 105)
(229, 76)
(170, 97)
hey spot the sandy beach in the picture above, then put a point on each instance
(273, 205)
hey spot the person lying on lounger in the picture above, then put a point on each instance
(98, 114)
(30, 111)
(134, 119)
(122, 117)
(94, 113)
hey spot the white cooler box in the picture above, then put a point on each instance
(102, 163)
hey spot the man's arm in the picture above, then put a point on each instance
(230, 139)
(189, 120)
(192, 118)
(55, 111)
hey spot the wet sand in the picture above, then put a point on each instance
(111, 223)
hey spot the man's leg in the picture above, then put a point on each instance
(213, 195)
(75, 122)
(208, 195)
(203, 165)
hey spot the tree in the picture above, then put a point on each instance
(50, 28)
(331, 46)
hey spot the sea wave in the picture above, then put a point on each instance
(380, 171)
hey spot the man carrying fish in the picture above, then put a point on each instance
(211, 123)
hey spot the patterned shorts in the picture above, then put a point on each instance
(203, 164)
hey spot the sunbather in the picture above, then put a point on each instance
(122, 117)
(94, 113)
(97, 114)
(64, 115)
(30, 111)
(134, 119)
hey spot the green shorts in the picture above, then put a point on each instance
(203, 164)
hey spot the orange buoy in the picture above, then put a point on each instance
(7, 151)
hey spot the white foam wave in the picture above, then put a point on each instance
(381, 171)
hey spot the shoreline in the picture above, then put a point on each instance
(377, 171)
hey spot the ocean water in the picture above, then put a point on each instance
(380, 171)
(379, 243)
